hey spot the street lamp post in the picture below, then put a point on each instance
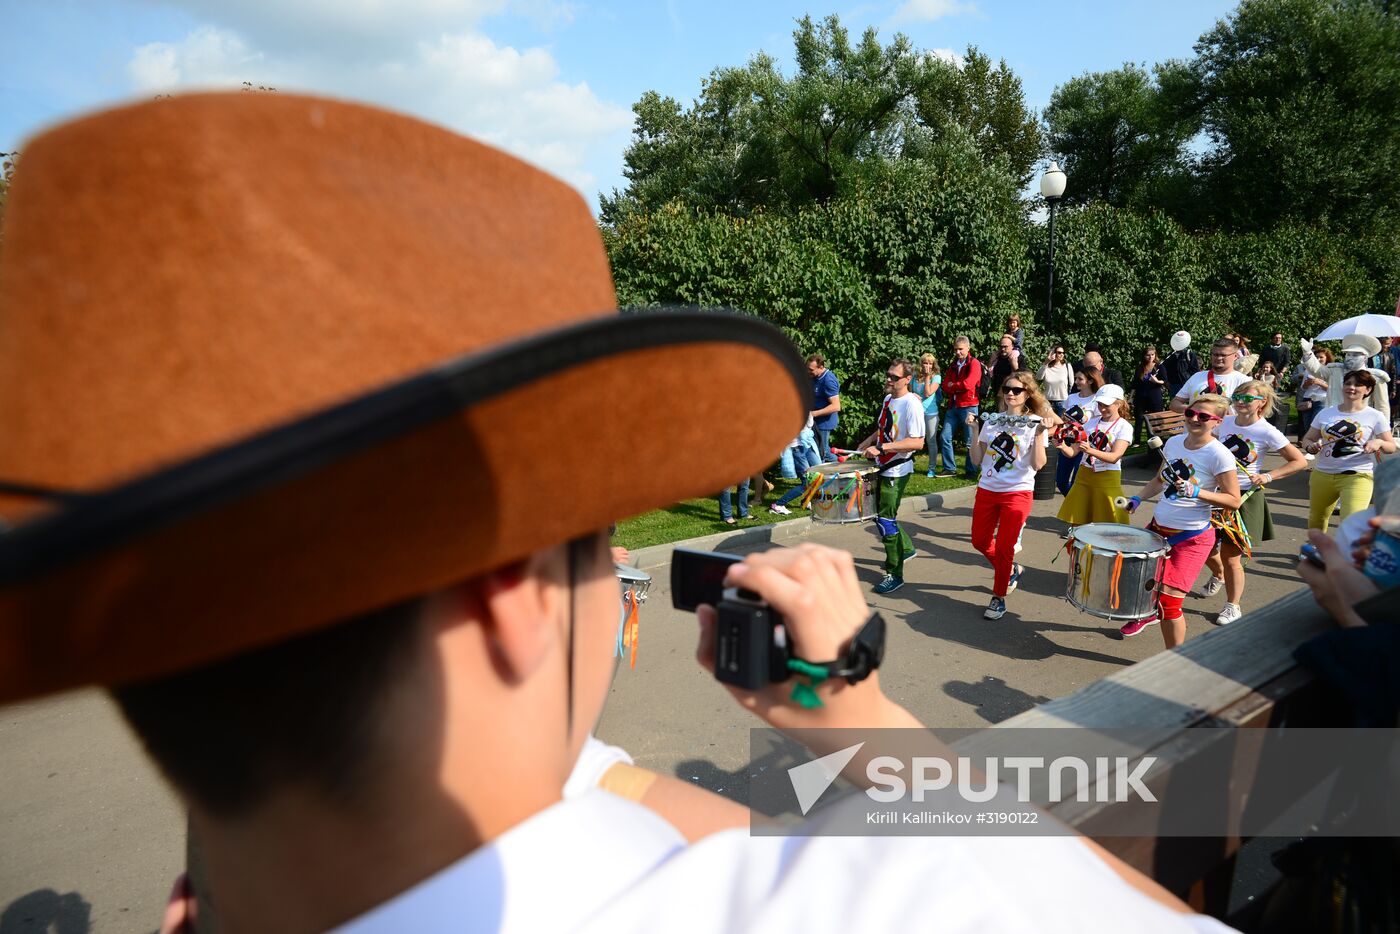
(1052, 187)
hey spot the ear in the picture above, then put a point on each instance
(517, 606)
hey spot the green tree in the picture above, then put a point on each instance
(1124, 279)
(1301, 100)
(1121, 141)
(756, 139)
(899, 267)
(990, 104)
(1296, 278)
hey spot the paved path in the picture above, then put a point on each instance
(90, 838)
(943, 661)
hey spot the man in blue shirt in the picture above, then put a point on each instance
(826, 402)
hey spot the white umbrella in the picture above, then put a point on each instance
(1374, 325)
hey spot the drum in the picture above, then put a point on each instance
(847, 493)
(1113, 570)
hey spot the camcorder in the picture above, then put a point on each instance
(751, 644)
(751, 639)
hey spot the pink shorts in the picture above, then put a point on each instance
(1187, 558)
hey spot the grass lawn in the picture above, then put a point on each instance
(695, 517)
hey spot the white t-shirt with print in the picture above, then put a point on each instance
(1201, 467)
(1249, 444)
(1006, 462)
(1102, 436)
(1344, 435)
(1199, 384)
(900, 419)
(1080, 409)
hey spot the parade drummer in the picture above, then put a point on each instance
(1346, 439)
(1221, 378)
(1098, 484)
(1249, 436)
(898, 437)
(1008, 452)
(1197, 474)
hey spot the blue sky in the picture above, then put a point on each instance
(551, 80)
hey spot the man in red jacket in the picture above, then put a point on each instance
(960, 389)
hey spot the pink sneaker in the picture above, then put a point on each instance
(1138, 625)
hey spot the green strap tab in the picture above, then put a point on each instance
(805, 695)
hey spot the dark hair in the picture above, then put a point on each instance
(1142, 364)
(1094, 375)
(816, 358)
(1226, 343)
(304, 712)
(1361, 376)
(905, 366)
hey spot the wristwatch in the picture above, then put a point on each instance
(880, 446)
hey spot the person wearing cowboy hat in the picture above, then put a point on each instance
(269, 363)
(1357, 350)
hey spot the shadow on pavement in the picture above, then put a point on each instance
(992, 698)
(44, 911)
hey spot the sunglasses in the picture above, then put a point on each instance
(893, 377)
(1245, 400)
(1013, 390)
(1202, 416)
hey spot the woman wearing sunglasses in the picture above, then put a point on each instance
(1346, 439)
(1098, 481)
(1198, 474)
(1249, 435)
(1008, 456)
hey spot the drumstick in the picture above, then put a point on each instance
(1120, 502)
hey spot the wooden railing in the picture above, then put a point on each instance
(1239, 677)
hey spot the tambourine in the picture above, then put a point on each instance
(1007, 420)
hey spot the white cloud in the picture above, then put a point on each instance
(513, 98)
(206, 57)
(926, 11)
(949, 56)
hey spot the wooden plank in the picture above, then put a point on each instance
(1176, 689)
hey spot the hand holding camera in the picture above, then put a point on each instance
(803, 603)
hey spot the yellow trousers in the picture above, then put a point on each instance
(1325, 489)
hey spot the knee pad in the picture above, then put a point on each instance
(888, 527)
(1171, 606)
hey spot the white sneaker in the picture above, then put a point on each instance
(1228, 615)
(780, 510)
(1213, 586)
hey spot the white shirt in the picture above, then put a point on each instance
(1199, 384)
(601, 863)
(1006, 463)
(1344, 434)
(900, 419)
(1056, 380)
(1102, 436)
(1249, 444)
(1201, 467)
(1080, 409)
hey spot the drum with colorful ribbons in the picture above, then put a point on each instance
(1114, 569)
(840, 493)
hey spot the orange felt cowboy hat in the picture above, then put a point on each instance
(268, 362)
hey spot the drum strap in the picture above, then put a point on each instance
(1175, 536)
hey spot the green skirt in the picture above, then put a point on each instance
(1091, 497)
(1254, 513)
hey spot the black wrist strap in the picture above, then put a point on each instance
(862, 656)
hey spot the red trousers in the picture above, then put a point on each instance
(997, 520)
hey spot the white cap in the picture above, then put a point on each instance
(1111, 392)
(1361, 343)
(1181, 340)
